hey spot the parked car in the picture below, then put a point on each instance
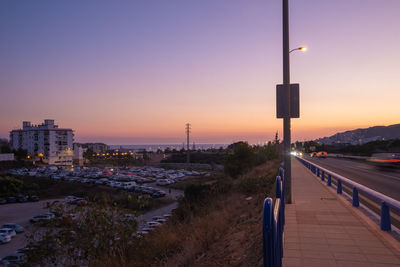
(5, 238)
(3, 200)
(24, 250)
(139, 234)
(11, 200)
(158, 194)
(75, 200)
(70, 198)
(161, 220)
(40, 218)
(17, 228)
(153, 224)
(34, 198)
(50, 214)
(21, 198)
(13, 259)
(8, 231)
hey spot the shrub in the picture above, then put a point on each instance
(240, 161)
(255, 184)
(10, 186)
(196, 193)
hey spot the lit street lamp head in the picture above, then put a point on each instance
(301, 48)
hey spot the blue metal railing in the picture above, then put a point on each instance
(273, 224)
(386, 202)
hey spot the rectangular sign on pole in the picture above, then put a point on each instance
(281, 110)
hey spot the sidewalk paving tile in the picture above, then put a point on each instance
(321, 231)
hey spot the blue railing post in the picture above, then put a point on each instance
(329, 180)
(339, 186)
(317, 172)
(323, 176)
(356, 202)
(278, 187)
(385, 217)
(267, 230)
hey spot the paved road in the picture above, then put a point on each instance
(170, 193)
(385, 182)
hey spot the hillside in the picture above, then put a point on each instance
(362, 136)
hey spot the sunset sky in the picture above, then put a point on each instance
(134, 72)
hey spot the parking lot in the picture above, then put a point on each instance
(131, 180)
(19, 213)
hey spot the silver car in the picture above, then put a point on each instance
(5, 238)
(8, 231)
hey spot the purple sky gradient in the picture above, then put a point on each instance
(130, 72)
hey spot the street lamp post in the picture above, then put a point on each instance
(286, 119)
(287, 102)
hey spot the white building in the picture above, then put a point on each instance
(47, 141)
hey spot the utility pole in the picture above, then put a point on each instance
(188, 149)
(286, 119)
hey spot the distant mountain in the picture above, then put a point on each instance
(362, 136)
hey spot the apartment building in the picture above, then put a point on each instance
(46, 141)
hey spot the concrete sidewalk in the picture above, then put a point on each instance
(324, 230)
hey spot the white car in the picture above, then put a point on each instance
(162, 182)
(161, 220)
(153, 224)
(5, 238)
(69, 198)
(147, 229)
(8, 231)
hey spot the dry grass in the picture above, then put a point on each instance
(223, 231)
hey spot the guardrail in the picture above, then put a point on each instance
(386, 202)
(273, 224)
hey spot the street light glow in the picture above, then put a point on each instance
(301, 48)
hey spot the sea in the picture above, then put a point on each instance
(155, 147)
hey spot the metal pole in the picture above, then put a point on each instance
(187, 150)
(286, 120)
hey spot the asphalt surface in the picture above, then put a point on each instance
(386, 182)
(19, 213)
